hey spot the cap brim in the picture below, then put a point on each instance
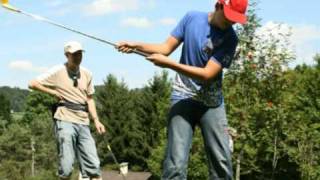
(234, 16)
(77, 51)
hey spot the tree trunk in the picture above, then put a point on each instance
(238, 165)
(275, 157)
(33, 159)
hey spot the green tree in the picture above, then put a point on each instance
(133, 118)
(5, 115)
(303, 130)
(38, 119)
(117, 111)
(15, 153)
(156, 157)
(16, 96)
(254, 97)
(153, 103)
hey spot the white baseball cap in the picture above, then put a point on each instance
(72, 47)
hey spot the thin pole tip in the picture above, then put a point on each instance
(4, 2)
(11, 8)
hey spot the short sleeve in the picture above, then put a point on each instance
(179, 31)
(49, 78)
(225, 54)
(90, 87)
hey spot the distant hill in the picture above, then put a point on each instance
(16, 96)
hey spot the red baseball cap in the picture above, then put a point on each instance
(235, 10)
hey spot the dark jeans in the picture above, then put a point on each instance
(183, 117)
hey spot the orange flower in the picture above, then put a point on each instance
(253, 66)
(250, 55)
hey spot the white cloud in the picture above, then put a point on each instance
(304, 39)
(54, 3)
(102, 7)
(22, 65)
(302, 34)
(271, 33)
(142, 22)
(168, 21)
(277, 30)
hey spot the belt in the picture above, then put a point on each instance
(74, 106)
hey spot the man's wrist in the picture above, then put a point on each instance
(138, 46)
(95, 119)
(52, 92)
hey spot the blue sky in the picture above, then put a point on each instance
(29, 47)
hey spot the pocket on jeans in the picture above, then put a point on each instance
(57, 125)
(60, 138)
(60, 146)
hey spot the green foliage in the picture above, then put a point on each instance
(5, 115)
(197, 167)
(38, 106)
(154, 103)
(116, 112)
(155, 160)
(255, 95)
(35, 128)
(303, 134)
(16, 96)
(15, 153)
(276, 111)
(133, 118)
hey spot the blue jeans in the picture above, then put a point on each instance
(75, 141)
(183, 117)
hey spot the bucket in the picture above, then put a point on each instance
(124, 168)
(81, 178)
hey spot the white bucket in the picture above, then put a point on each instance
(81, 178)
(124, 168)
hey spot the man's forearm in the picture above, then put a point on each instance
(35, 85)
(153, 48)
(165, 48)
(190, 71)
(93, 112)
(92, 109)
(205, 74)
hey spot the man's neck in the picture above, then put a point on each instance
(211, 18)
(72, 67)
(213, 21)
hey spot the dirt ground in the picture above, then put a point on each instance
(114, 175)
